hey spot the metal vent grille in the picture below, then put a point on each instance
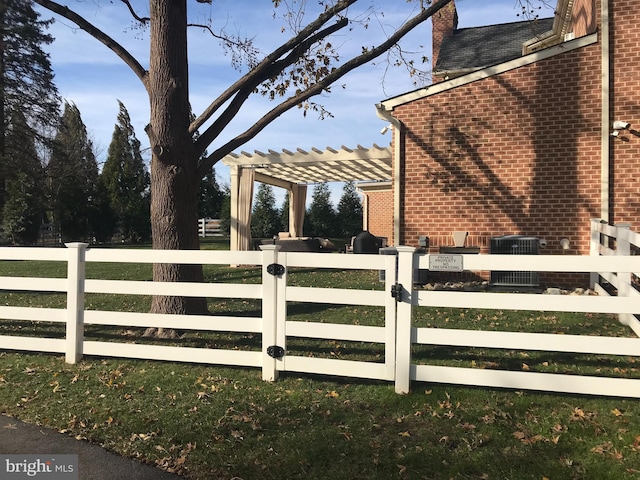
(514, 245)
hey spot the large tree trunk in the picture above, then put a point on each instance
(174, 179)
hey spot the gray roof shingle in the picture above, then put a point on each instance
(479, 47)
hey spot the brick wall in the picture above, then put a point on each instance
(625, 105)
(504, 156)
(520, 152)
(584, 19)
(380, 214)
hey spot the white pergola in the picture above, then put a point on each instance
(294, 171)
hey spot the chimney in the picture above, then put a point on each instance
(445, 22)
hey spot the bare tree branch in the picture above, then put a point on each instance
(320, 86)
(257, 71)
(143, 20)
(99, 35)
(274, 69)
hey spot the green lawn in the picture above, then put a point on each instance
(211, 422)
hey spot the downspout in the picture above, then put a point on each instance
(606, 114)
(397, 167)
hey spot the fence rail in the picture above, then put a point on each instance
(396, 335)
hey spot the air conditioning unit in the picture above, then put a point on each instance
(514, 245)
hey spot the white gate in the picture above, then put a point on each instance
(286, 329)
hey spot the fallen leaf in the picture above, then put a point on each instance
(617, 412)
(616, 455)
(602, 448)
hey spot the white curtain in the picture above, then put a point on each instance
(297, 206)
(245, 200)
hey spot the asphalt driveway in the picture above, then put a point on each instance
(94, 462)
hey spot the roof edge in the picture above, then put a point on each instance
(487, 72)
(554, 36)
(382, 185)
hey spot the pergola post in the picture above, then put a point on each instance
(233, 233)
(297, 204)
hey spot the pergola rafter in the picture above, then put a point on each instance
(314, 166)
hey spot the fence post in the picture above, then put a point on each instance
(404, 332)
(272, 352)
(623, 248)
(75, 301)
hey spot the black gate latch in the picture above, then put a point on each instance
(275, 351)
(275, 269)
(396, 291)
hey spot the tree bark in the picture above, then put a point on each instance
(173, 165)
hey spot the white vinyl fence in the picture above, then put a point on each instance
(616, 240)
(397, 299)
(209, 227)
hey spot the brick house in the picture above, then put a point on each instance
(515, 134)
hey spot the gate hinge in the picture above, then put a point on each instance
(275, 269)
(275, 351)
(396, 291)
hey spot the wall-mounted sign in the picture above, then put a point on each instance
(445, 263)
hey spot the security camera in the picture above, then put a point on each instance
(385, 129)
(620, 125)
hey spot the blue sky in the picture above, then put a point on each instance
(93, 78)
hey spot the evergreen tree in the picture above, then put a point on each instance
(211, 197)
(26, 79)
(72, 173)
(23, 210)
(265, 221)
(225, 211)
(349, 211)
(126, 180)
(321, 215)
(102, 219)
(284, 213)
